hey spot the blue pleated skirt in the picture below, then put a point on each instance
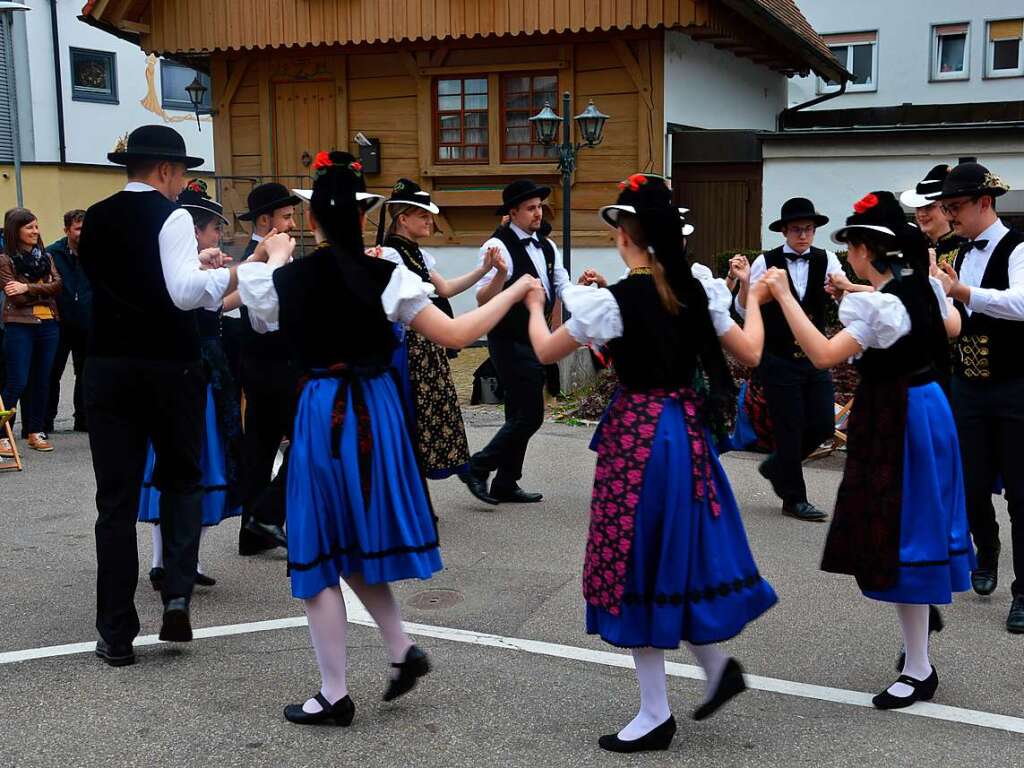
(332, 533)
(691, 575)
(936, 556)
(215, 483)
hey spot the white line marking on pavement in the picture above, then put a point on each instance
(357, 614)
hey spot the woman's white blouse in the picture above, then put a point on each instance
(394, 257)
(878, 320)
(404, 297)
(596, 318)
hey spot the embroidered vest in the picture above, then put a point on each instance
(778, 338)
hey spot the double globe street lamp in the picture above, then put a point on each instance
(591, 127)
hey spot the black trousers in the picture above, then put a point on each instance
(801, 403)
(73, 342)
(270, 397)
(990, 422)
(131, 402)
(523, 378)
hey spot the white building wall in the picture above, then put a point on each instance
(904, 49)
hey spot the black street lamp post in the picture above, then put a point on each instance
(591, 126)
(196, 91)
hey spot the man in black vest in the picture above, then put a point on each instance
(270, 382)
(800, 398)
(522, 252)
(987, 286)
(144, 381)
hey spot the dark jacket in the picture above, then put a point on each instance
(75, 300)
(18, 309)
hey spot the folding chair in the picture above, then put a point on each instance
(842, 420)
(5, 422)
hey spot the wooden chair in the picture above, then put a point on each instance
(842, 419)
(5, 423)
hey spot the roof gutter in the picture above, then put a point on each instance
(819, 100)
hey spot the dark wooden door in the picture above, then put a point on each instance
(725, 206)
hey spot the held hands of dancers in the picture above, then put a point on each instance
(493, 259)
(951, 283)
(759, 293)
(739, 268)
(593, 277)
(276, 249)
(535, 297)
(213, 258)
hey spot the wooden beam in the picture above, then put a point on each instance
(241, 66)
(134, 26)
(484, 69)
(489, 169)
(99, 8)
(438, 56)
(640, 79)
(409, 62)
(118, 11)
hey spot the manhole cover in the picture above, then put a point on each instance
(433, 599)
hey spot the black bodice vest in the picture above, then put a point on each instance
(412, 257)
(989, 348)
(914, 355)
(654, 351)
(778, 338)
(516, 323)
(330, 310)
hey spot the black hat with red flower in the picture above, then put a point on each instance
(195, 197)
(640, 192)
(878, 213)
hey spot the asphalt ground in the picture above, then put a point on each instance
(500, 698)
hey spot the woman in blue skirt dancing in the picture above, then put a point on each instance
(667, 558)
(357, 506)
(900, 523)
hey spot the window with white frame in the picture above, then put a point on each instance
(1004, 54)
(858, 52)
(951, 52)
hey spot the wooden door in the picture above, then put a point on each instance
(725, 206)
(305, 122)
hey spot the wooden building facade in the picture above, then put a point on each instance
(447, 86)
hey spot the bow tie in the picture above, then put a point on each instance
(528, 240)
(798, 256)
(980, 245)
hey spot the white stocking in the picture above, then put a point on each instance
(158, 547)
(650, 674)
(328, 629)
(383, 607)
(712, 661)
(202, 535)
(914, 623)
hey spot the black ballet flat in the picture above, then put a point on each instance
(202, 580)
(935, 624)
(658, 739)
(415, 666)
(340, 712)
(156, 578)
(731, 685)
(923, 690)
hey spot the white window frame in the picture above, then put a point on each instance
(851, 87)
(990, 53)
(937, 76)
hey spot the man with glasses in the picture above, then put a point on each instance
(987, 285)
(800, 398)
(929, 216)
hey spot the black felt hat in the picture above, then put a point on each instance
(877, 212)
(267, 198)
(154, 142)
(929, 185)
(796, 209)
(519, 191)
(971, 180)
(407, 192)
(196, 197)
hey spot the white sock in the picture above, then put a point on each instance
(383, 607)
(158, 547)
(650, 674)
(914, 623)
(328, 629)
(712, 660)
(199, 562)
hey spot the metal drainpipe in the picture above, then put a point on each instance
(781, 122)
(58, 82)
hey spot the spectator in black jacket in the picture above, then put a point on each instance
(75, 306)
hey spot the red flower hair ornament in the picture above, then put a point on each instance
(634, 182)
(323, 161)
(198, 186)
(866, 203)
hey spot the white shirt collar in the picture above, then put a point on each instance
(522, 234)
(787, 249)
(995, 232)
(257, 238)
(138, 186)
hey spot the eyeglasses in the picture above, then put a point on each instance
(807, 230)
(952, 209)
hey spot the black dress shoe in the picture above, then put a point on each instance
(732, 684)
(415, 666)
(515, 495)
(1015, 621)
(203, 580)
(922, 690)
(658, 739)
(156, 578)
(935, 624)
(803, 510)
(115, 655)
(176, 628)
(985, 580)
(269, 531)
(477, 485)
(340, 712)
(250, 544)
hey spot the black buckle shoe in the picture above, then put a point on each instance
(415, 666)
(1015, 621)
(803, 510)
(202, 580)
(341, 712)
(477, 486)
(985, 580)
(156, 578)
(935, 624)
(658, 739)
(267, 531)
(731, 685)
(515, 495)
(921, 690)
(176, 628)
(115, 655)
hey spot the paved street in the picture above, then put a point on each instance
(517, 682)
